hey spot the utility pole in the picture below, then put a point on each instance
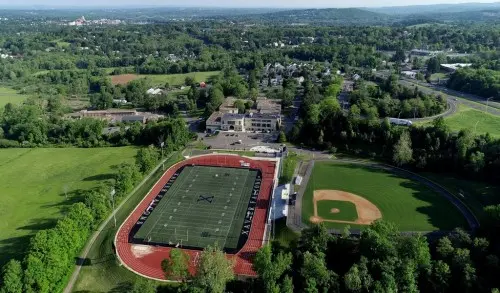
(66, 191)
(487, 101)
(112, 196)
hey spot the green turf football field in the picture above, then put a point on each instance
(409, 204)
(204, 205)
(347, 210)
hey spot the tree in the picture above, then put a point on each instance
(146, 159)
(287, 285)
(441, 275)
(314, 239)
(352, 279)
(240, 105)
(314, 272)
(176, 267)
(333, 90)
(11, 277)
(493, 213)
(270, 268)
(403, 151)
(445, 248)
(400, 56)
(128, 175)
(433, 65)
(282, 137)
(476, 161)
(142, 285)
(189, 81)
(213, 271)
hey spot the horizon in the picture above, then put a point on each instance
(271, 4)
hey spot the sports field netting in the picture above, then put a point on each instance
(201, 205)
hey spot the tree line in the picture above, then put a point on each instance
(482, 82)
(34, 124)
(434, 148)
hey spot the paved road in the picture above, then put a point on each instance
(90, 243)
(297, 225)
(469, 100)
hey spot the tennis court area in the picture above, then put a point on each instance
(201, 205)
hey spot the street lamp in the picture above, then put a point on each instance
(487, 101)
(112, 197)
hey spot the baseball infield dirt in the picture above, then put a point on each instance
(367, 211)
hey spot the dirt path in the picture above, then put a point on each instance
(367, 211)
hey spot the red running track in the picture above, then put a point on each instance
(146, 260)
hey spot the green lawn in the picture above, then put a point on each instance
(32, 183)
(282, 234)
(438, 75)
(476, 120)
(476, 195)
(411, 205)
(178, 79)
(8, 95)
(347, 210)
(103, 273)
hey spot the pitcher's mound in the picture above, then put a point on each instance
(334, 211)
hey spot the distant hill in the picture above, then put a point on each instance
(437, 8)
(329, 15)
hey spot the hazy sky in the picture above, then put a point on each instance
(233, 3)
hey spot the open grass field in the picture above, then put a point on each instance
(409, 204)
(200, 206)
(346, 210)
(161, 79)
(438, 76)
(32, 183)
(102, 272)
(468, 118)
(178, 79)
(478, 121)
(476, 195)
(8, 95)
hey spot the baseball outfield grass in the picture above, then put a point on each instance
(409, 204)
(33, 184)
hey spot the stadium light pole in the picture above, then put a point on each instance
(162, 144)
(112, 196)
(487, 101)
(66, 191)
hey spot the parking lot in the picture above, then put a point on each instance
(233, 140)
